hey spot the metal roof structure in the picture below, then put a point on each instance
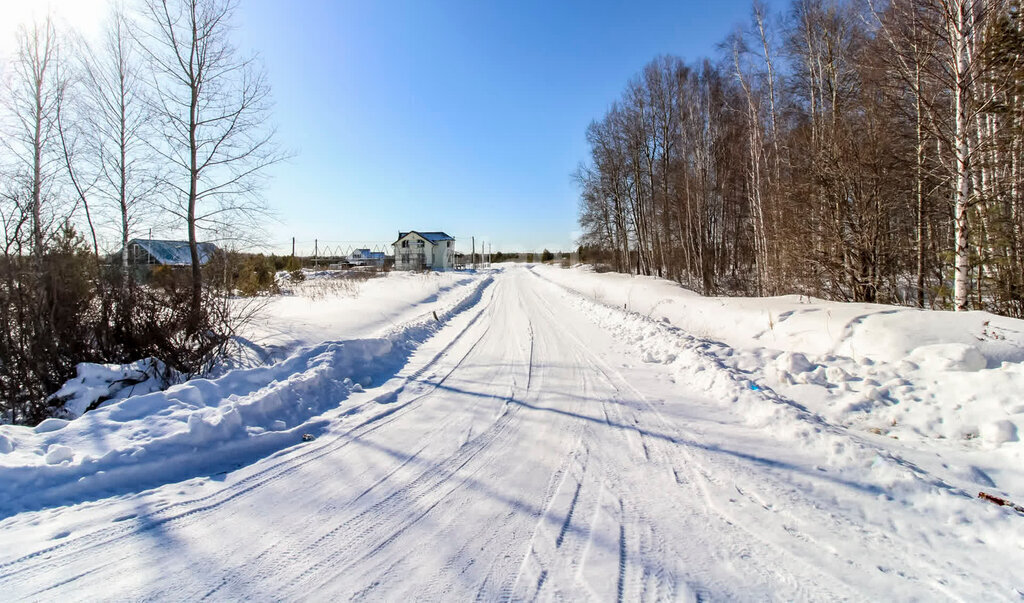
(174, 253)
(433, 237)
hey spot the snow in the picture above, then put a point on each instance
(904, 372)
(57, 454)
(939, 357)
(172, 434)
(98, 384)
(999, 432)
(324, 307)
(551, 434)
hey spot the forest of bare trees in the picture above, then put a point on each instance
(861, 150)
(159, 123)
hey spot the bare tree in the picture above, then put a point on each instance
(34, 95)
(212, 106)
(120, 120)
(959, 22)
(825, 166)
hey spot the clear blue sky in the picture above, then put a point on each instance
(467, 117)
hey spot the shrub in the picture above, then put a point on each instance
(63, 307)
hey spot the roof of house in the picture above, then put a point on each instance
(174, 253)
(433, 237)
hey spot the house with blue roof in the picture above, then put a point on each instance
(365, 257)
(415, 250)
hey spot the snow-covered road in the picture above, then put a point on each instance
(527, 451)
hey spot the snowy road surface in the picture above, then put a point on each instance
(527, 451)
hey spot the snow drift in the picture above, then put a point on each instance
(203, 425)
(938, 378)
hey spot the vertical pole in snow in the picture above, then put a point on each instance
(473, 257)
(293, 246)
(316, 252)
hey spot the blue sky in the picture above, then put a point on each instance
(467, 117)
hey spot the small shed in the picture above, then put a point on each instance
(433, 250)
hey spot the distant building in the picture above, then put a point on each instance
(424, 251)
(365, 257)
(155, 252)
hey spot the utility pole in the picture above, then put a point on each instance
(316, 252)
(473, 257)
(293, 246)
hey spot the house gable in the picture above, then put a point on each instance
(420, 250)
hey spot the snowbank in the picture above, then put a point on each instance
(203, 425)
(98, 384)
(791, 396)
(799, 323)
(896, 372)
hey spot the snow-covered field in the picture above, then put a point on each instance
(534, 432)
(324, 308)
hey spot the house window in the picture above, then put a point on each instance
(405, 258)
(419, 243)
(405, 244)
(449, 244)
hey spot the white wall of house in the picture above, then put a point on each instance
(413, 252)
(444, 255)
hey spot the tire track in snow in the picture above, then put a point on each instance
(615, 500)
(560, 550)
(297, 553)
(613, 411)
(362, 536)
(807, 513)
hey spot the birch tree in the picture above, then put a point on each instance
(34, 94)
(212, 105)
(959, 18)
(120, 121)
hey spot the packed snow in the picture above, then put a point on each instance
(534, 432)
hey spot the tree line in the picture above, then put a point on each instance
(858, 150)
(159, 123)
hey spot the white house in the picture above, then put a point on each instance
(424, 251)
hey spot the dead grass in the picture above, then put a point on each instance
(330, 283)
